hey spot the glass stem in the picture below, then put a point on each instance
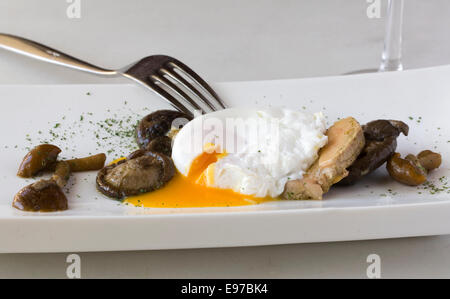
(391, 58)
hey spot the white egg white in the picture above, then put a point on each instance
(264, 148)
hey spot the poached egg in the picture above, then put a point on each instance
(239, 157)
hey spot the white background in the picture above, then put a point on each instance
(230, 40)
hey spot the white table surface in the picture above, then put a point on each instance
(230, 41)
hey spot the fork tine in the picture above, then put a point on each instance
(196, 78)
(164, 75)
(177, 90)
(188, 86)
(168, 97)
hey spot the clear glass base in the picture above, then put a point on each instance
(391, 65)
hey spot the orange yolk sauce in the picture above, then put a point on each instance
(191, 191)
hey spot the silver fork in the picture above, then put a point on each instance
(168, 77)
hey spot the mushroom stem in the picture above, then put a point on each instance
(95, 162)
(62, 173)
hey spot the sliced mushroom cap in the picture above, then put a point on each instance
(381, 142)
(43, 196)
(41, 157)
(157, 124)
(141, 172)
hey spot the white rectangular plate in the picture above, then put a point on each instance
(377, 207)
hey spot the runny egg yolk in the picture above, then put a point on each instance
(191, 191)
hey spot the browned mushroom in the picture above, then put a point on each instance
(373, 155)
(142, 171)
(41, 196)
(381, 129)
(407, 171)
(158, 124)
(381, 142)
(45, 195)
(413, 170)
(430, 160)
(162, 144)
(41, 157)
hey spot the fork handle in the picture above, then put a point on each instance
(40, 52)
